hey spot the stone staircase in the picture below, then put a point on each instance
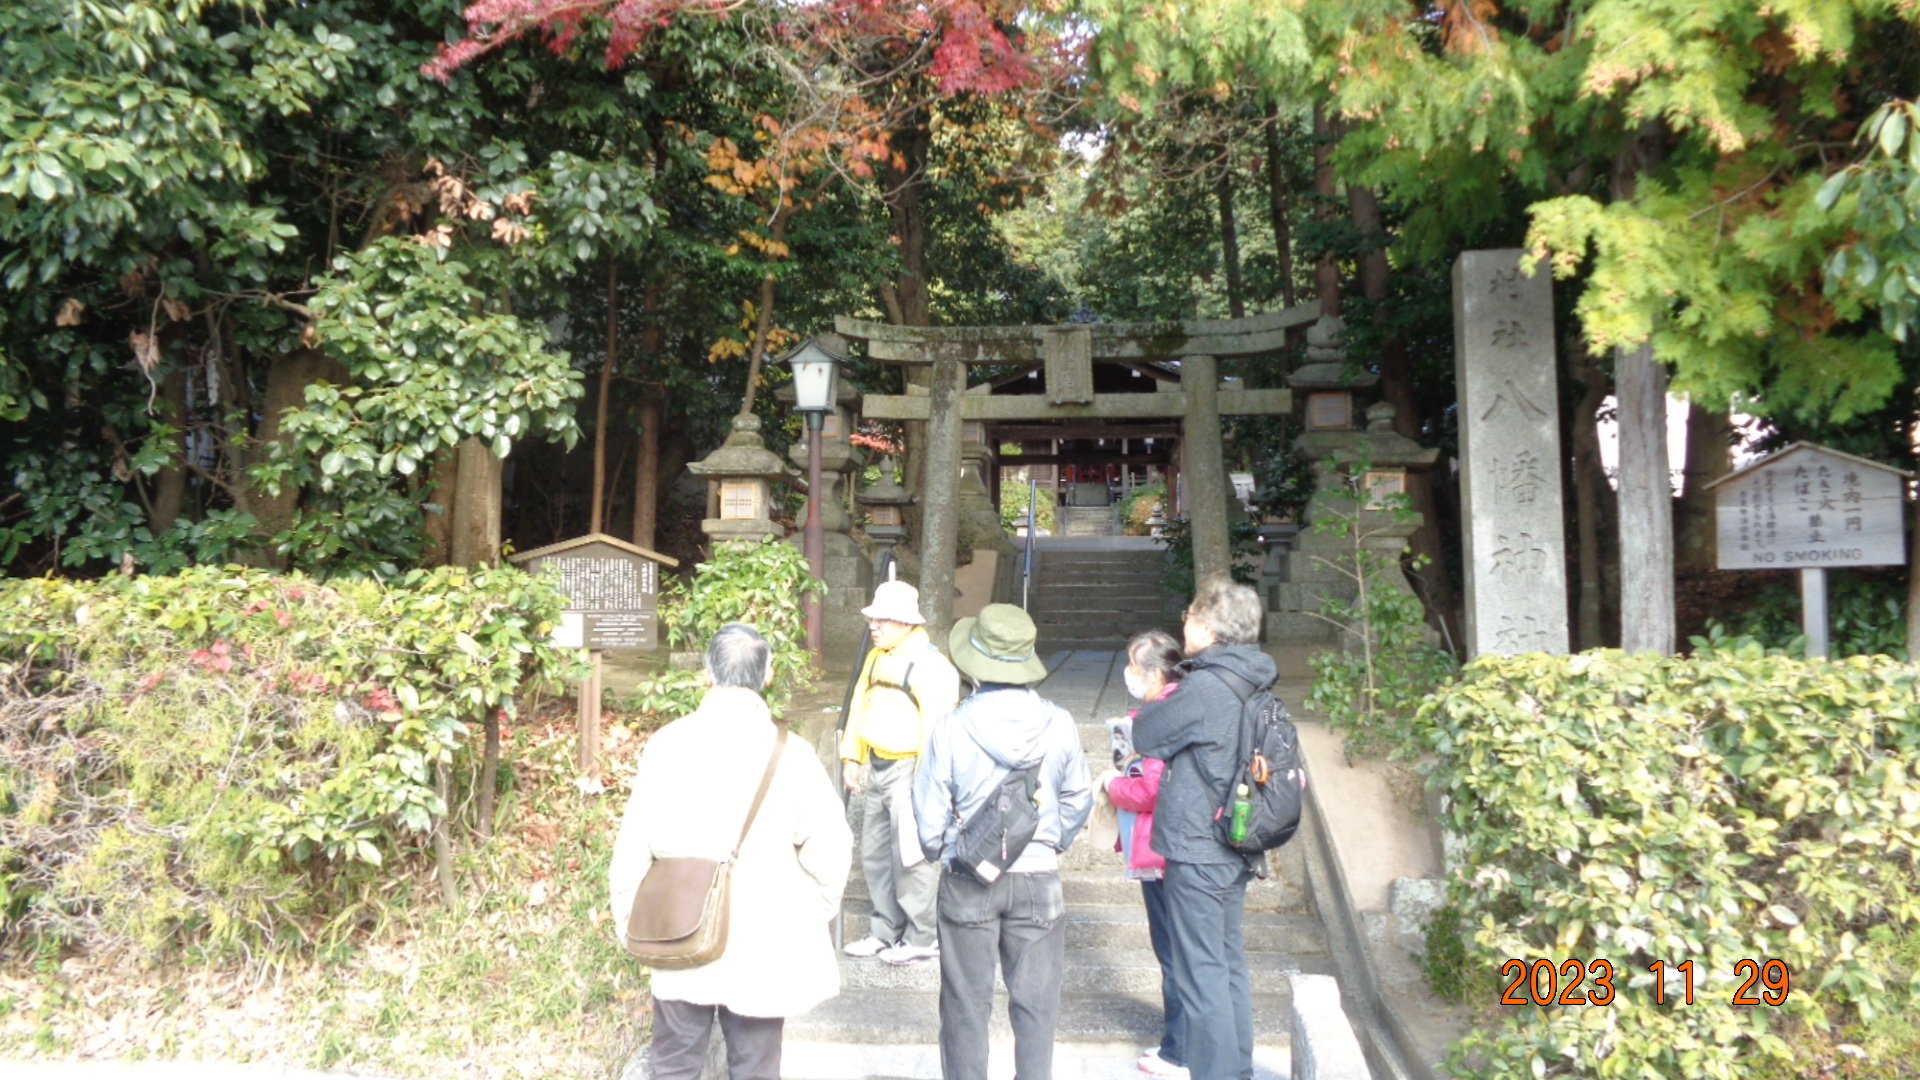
(1095, 595)
(886, 1020)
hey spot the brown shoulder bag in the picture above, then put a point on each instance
(679, 915)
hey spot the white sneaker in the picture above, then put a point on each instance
(1153, 1064)
(904, 953)
(865, 947)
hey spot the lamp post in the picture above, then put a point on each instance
(814, 368)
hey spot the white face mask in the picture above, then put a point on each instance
(1135, 685)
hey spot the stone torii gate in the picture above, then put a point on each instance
(1068, 353)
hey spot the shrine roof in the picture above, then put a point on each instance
(1780, 455)
(591, 538)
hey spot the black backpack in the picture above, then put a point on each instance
(1267, 764)
(1002, 827)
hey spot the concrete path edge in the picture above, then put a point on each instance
(1385, 1039)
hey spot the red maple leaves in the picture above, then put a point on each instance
(975, 47)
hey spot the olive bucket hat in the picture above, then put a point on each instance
(997, 646)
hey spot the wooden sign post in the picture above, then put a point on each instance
(1809, 508)
(612, 589)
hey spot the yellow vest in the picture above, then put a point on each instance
(888, 720)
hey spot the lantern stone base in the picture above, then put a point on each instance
(753, 530)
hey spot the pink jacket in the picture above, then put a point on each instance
(1137, 793)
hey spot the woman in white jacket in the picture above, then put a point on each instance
(691, 791)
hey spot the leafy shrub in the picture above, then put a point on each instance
(1013, 507)
(1243, 541)
(1370, 686)
(1644, 808)
(1865, 617)
(1136, 509)
(1284, 481)
(760, 584)
(227, 758)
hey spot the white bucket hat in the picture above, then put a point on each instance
(896, 601)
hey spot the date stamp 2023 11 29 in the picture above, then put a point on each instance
(1590, 982)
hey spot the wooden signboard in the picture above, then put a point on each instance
(612, 590)
(1810, 508)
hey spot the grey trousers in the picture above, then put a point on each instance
(682, 1032)
(1205, 906)
(1018, 921)
(903, 898)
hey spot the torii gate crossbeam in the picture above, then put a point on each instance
(1068, 353)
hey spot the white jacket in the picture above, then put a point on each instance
(691, 791)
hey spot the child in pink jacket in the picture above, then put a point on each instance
(1152, 658)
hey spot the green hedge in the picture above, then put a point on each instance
(1640, 809)
(763, 584)
(225, 758)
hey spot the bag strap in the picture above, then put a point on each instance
(1240, 749)
(766, 781)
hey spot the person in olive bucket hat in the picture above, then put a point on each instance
(1018, 918)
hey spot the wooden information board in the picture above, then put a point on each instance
(1808, 506)
(612, 589)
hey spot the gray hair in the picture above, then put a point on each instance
(738, 656)
(1231, 610)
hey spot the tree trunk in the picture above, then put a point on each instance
(1646, 493)
(647, 477)
(1427, 544)
(476, 506)
(489, 773)
(1589, 489)
(1646, 504)
(1709, 457)
(445, 481)
(904, 187)
(1206, 472)
(1230, 240)
(1326, 272)
(646, 474)
(763, 319)
(1277, 206)
(597, 514)
(288, 377)
(909, 301)
(443, 840)
(170, 483)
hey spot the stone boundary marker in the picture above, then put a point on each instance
(1324, 1046)
(1514, 540)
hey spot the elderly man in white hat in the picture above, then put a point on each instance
(905, 685)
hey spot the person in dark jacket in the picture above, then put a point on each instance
(1196, 732)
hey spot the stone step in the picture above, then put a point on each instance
(913, 1016)
(1090, 585)
(1048, 576)
(802, 1059)
(1095, 598)
(1123, 928)
(1089, 971)
(1109, 888)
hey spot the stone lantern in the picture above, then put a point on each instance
(886, 502)
(740, 476)
(1335, 442)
